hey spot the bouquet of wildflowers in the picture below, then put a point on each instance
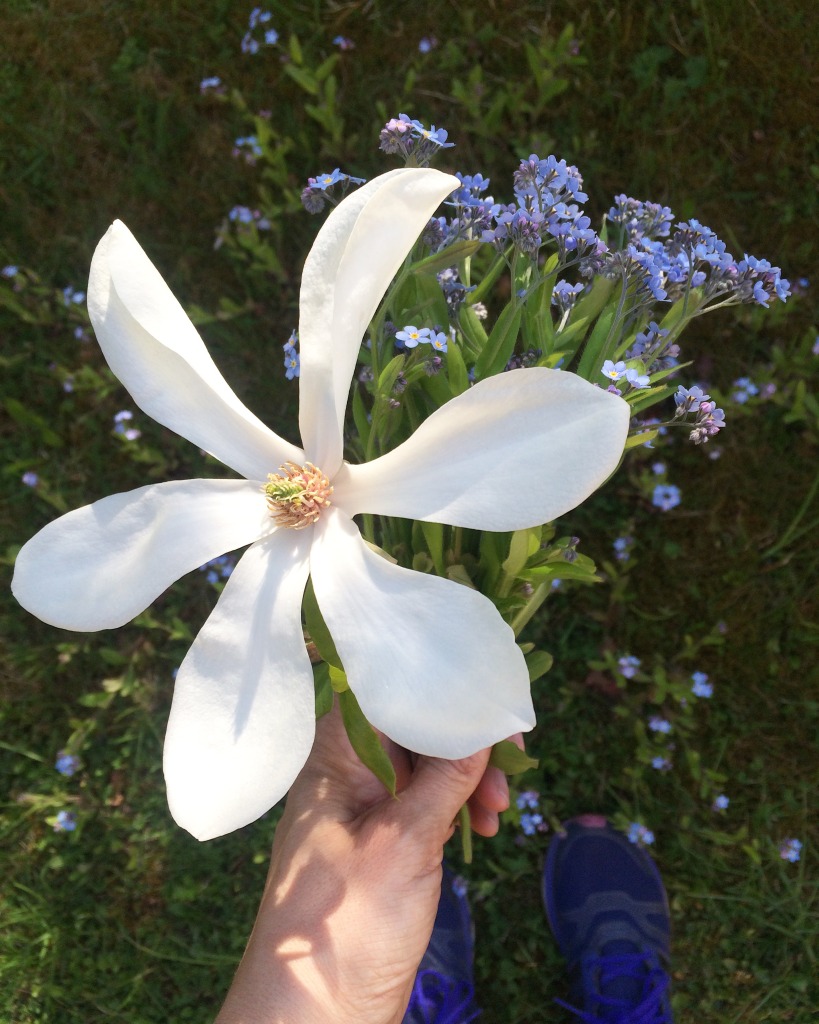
(468, 372)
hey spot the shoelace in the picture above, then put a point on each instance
(441, 1000)
(598, 972)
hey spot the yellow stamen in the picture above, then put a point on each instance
(297, 495)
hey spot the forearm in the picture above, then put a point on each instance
(326, 947)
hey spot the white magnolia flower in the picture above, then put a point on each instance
(431, 662)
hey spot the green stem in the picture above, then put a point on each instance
(368, 526)
(531, 606)
(791, 532)
(466, 833)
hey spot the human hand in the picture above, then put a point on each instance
(354, 882)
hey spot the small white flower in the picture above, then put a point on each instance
(431, 662)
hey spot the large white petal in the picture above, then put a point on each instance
(156, 352)
(431, 662)
(353, 259)
(100, 565)
(516, 450)
(243, 715)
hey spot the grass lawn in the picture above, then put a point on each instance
(704, 108)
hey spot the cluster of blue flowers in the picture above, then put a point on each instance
(744, 389)
(628, 665)
(67, 764)
(639, 834)
(321, 189)
(699, 255)
(243, 216)
(545, 209)
(292, 364)
(565, 296)
(416, 143)
(657, 265)
(654, 348)
(666, 497)
(640, 220)
(121, 421)
(218, 569)
(65, 822)
(411, 336)
(700, 686)
(619, 372)
(211, 84)
(259, 33)
(708, 419)
(657, 261)
(247, 147)
(531, 820)
(790, 850)
(622, 547)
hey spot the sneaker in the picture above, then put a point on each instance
(608, 911)
(444, 990)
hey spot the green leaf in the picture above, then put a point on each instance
(590, 305)
(447, 257)
(323, 689)
(642, 438)
(511, 759)
(539, 663)
(437, 387)
(365, 742)
(419, 299)
(434, 536)
(295, 51)
(487, 282)
(472, 330)
(362, 424)
(338, 679)
(323, 70)
(594, 350)
(491, 548)
(652, 397)
(26, 418)
(456, 369)
(458, 574)
(389, 374)
(302, 77)
(501, 342)
(560, 571)
(317, 628)
(524, 543)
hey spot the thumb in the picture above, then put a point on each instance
(437, 791)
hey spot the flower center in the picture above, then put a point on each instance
(296, 495)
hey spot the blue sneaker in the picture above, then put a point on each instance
(444, 990)
(608, 911)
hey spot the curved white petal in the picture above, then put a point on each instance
(99, 566)
(353, 259)
(243, 715)
(431, 662)
(516, 450)
(156, 352)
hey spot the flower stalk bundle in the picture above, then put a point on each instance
(409, 541)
